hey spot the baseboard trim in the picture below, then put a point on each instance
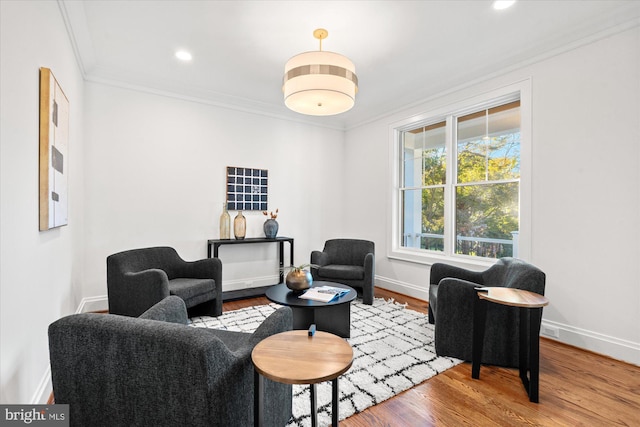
(89, 304)
(249, 283)
(404, 288)
(613, 347)
(44, 390)
(244, 293)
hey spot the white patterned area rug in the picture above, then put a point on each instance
(393, 350)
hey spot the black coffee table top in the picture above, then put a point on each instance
(280, 294)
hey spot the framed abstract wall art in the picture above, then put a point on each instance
(54, 148)
(247, 189)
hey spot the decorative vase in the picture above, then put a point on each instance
(225, 223)
(239, 226)
(270, 228)
(298, 280)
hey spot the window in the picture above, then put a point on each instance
(458, 189)
(422, 187)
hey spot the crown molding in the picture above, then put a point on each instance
(73, 14)
(408, 103)
(242, 105)
(75, 21)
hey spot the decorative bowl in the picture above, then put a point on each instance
(298, 280)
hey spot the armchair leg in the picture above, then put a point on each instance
(367, 298)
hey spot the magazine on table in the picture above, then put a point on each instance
(324, 293)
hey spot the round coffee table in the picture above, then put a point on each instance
(333, 316)
(294, 357)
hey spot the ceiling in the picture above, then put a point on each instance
(404, 51)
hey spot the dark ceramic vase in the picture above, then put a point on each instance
(270, 228)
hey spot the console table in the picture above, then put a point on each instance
(214, 246)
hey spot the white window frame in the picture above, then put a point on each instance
(521, 90)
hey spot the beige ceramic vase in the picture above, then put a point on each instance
(239, 226)
(225, 223)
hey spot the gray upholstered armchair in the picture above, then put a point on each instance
(348, 261)
(451, 297)
(157, 371)
(139, 278)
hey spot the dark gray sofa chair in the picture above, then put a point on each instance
(139, 278)
(157, 371)
(348, 261)
(451, 297)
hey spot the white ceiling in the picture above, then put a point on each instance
(404, 51)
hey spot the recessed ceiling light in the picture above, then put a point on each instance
(503, 4)
(183, 55)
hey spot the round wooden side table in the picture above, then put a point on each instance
(294, 357)
(530, 313)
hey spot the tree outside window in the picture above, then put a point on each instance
(482, 151)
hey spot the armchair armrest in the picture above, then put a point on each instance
(454, 319)
(171, 309)
(319, 258)
(369, 275)
(139, 289)
(150, 282)
(208, 268)
(439, 271)
(369, 265)
(279, 321)
(453, 290)
(241, 344)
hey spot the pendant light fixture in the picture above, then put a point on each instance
(320, 83)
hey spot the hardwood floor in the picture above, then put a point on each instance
(577, 387)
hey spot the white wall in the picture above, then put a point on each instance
(149, 170)
(156, 176)
(38, 269)
(586, 191)
(144, 170)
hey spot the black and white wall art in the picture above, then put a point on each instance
(247, 189)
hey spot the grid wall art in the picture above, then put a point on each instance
(247, 189)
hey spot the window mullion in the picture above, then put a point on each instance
(449, 193)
